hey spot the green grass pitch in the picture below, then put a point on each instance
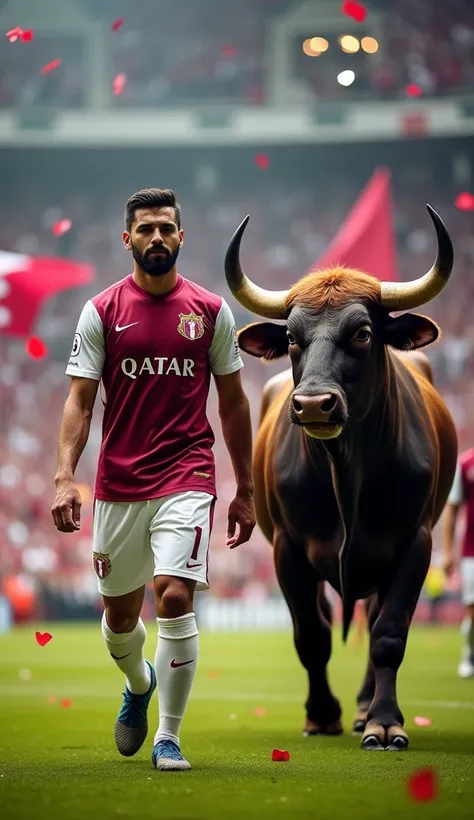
(61, 764)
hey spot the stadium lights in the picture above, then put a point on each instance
(349, 44)
(346, 77)
(315, 46)
(369, 45)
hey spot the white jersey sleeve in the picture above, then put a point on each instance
(224, 353)
(456, 496)
(88, 350)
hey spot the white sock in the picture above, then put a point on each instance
(467, 630)
(175, 665)
(130, 645)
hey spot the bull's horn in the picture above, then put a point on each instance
(408, 295)
(269, 303)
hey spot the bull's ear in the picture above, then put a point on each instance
(265, 340)
(410, 331)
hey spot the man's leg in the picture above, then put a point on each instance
(175, 665)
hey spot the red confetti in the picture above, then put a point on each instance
(213, 673)
(413, 90)
(26, 36)
(464, 201)
(117, 24)
(119, 84)
(419, 720)
(423, 785)
(357, 11)
(51, 700)
(66, 703)
(262, 161)
(36, 349)
(228, 51)
(50, 66)
(14, 34)
(43, 638)
(278, 755)
(259, 711)
(63, 226)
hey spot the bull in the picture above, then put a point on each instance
(353, 462)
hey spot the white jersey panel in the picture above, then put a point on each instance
(88, 351)
(224, 353)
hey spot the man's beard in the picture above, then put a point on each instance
(155, 265)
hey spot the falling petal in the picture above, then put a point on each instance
(50, 66)
(43, 638)
(413, 90)
(259, 711)
(37, 349)
(52, 700)
(423, 785)
(14, 34)
(262, 161)
(119, 84)
(66, 703)
(464, 201)
(357, 11)
(422, 721)
(27, 36)
(117, 24)
(63, 226)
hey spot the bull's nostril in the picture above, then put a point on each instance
(329, 404)
(297, 406)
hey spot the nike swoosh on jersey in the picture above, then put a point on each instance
(121, 657)
(175, 665)
(192, 566)
(118, 328)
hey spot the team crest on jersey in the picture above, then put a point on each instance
(102, 564)
(191, 326)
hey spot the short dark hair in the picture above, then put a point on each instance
(151, 198)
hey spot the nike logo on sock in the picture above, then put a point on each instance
(175, 665)
(117, 658)
(192, 566)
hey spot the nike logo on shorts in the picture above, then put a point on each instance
(192, 566)
(117, 658)
(175, 665)
(118, 328)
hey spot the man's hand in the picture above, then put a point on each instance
(448, 565)
(66, 509)
(241, 512)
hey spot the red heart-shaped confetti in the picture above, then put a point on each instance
(117, 24)
(14, 34)
(36, 348)
(357, 11)
(464, 201)
(50, 66)
(413, 90)
(26, 36)
(63, 226)
(422, 721)
(119, 84)
(66, 703)
(262, 161)
(43, 638)
(423, 785)
(278, 755)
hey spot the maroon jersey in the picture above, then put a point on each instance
(462, 492)
(154, 356)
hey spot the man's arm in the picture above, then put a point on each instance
(234, 413)
(73, 436)
(451, 511)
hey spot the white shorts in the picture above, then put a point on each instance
(467, 581)
(134, 542)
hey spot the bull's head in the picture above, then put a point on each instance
(337, 326)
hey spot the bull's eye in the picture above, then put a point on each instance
(362, 337)
(291, 339)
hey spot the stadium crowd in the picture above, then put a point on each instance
(217, 53)
(290, 227)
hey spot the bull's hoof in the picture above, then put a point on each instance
(358, 726)
(379, 738)
(311, 728)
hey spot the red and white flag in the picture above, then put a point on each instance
(27, 281)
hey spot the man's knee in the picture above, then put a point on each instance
(122, 613)
(173, 596)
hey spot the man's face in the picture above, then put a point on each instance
(154, 240)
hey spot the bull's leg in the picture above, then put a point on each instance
(367, 690)
(301, 586)
(388, 641)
